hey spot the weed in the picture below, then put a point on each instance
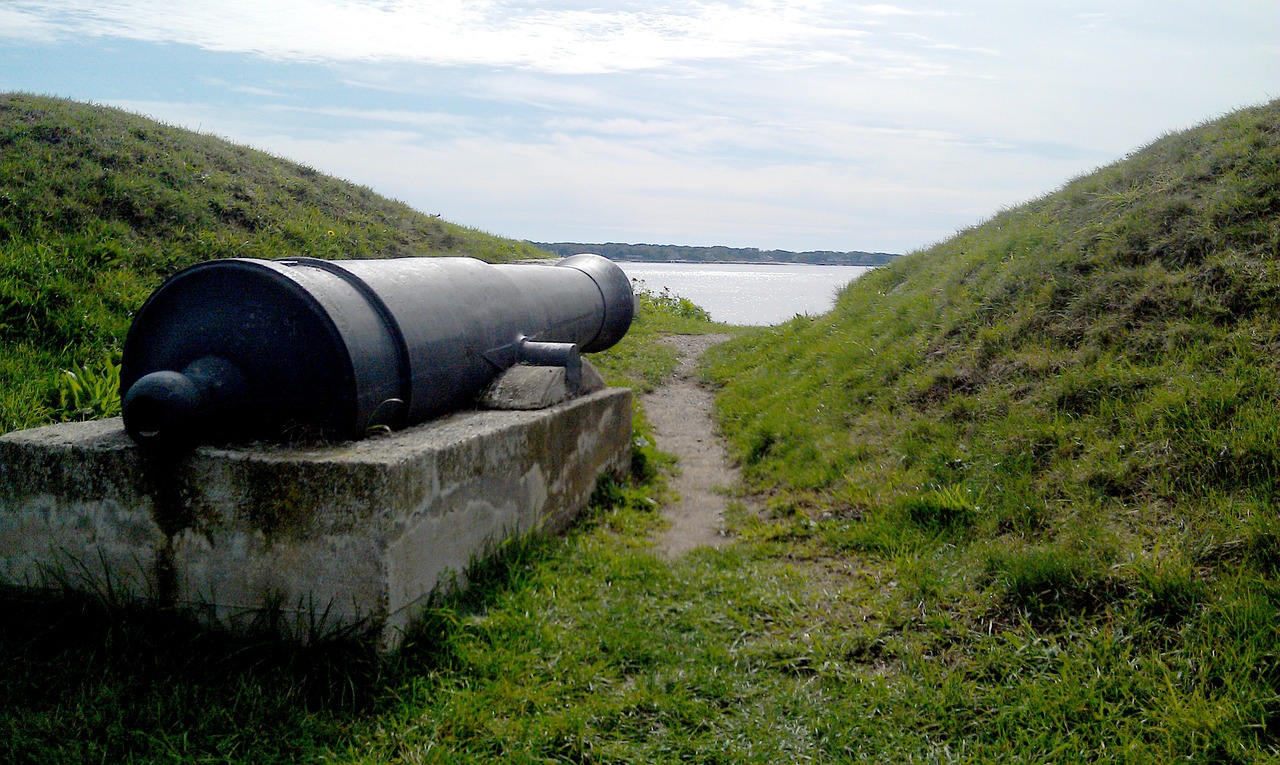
(1166, 588)
(947, 507)
(668, 302)
(90, 393)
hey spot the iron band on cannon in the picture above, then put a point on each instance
(240, 348)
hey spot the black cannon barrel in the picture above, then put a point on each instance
(242, 348)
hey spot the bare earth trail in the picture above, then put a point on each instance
(680, 412)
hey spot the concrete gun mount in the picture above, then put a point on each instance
(340, 533)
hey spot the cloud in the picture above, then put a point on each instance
(801, 124)
(436, 121)
(887, 10)
(547, 37)
(28, 26)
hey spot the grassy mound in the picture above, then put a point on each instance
(1068, 417)
(1103, 357)
(98, 206)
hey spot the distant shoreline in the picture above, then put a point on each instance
(670, 253)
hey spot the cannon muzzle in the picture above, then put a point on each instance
(241, 349)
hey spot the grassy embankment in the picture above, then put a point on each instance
(1057, 437)
(1021, 507)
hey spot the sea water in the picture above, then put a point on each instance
(748, 293)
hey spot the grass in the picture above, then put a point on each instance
(1019, 495)
(1064, 412)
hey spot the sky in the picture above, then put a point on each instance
(778, 124)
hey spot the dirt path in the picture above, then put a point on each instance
(680, 411)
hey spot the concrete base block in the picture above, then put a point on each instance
(538, 387)
(526, 388)
(345, 532)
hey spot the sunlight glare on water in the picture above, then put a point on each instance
(748, 293)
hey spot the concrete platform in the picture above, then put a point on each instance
(344, 532)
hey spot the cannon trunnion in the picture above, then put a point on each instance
(241, 348)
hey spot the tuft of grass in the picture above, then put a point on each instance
(939, 507)
(90, 392)
(1049, 581)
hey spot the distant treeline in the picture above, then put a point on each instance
(676, 253)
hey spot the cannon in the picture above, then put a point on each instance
(242, 349)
